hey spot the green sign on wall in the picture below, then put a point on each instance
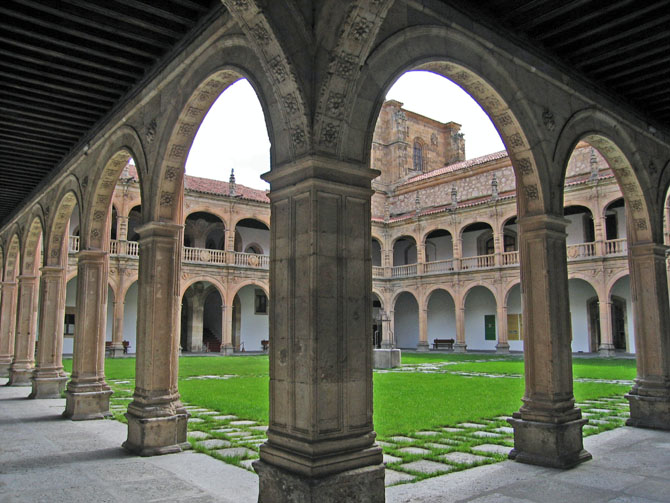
(490, 327)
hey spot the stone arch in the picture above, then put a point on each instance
(603, 132)
(507, 289)
(30, 260)
(606, 203)
(433, 228)
(133, 278)
(260, 284)
(397, 295)
(585, 278)
(69, 197)
(432, 289)
(219, 66)
(471, 65)
(205, 208)
(2, 262)
(13, 258)
(260, 218)
(204, 278)
(471, 286)
(613, 280)
(379, 296)
(122, 145)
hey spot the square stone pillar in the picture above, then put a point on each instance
(116, 348)
(460, 346)
(21, 370)
(503, 344)
(157, 420)
(650, 396)
(7, 326)
(548, 427)
(606, 347)
(321, 444)
(423, 330)
(227, 347)
(49, 378)
(87, 394)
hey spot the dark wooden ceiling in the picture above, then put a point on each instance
(66, 64)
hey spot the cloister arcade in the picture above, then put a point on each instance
(321, 107)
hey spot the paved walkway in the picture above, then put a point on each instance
(44, 458)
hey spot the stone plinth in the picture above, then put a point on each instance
(460, 347)
(353, 486)
(649, 411)
(386, 358)
(423, 347)
(20, 376)
(157, 435)
(85, 405)
(48, 387)
(606, 350)
(548, 444)
(502, 348)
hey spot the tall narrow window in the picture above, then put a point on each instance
(418, 155)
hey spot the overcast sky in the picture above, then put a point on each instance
(233, 134)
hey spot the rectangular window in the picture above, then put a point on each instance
(514, 327)
(260, 303)
(68, 329)
(490, 327)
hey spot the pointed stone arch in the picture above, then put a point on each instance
(124, 144)
(468, 63)
(56, 240)
(603, 132)
(30, 260)
(13, 257)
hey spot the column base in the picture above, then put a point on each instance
(153, 436)
(423, 346)
(4, 368)
(502, 348)
(460, 347)
(114, 352)
(227, 350)
(353, 486)
(48, 387)
(649, 412)
(548, 444)
(606, 350)
(82, 406)
(20, 377)
(386, 358)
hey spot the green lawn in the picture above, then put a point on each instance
(403, 402)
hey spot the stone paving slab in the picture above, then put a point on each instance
(242, 423)
(471, 425)
(400, 438)
(224, 417)
(434, 445)
(427, 433)
(455, 430)
(195, 420)
(225, 430)
(236, 452)
(414, 450)
(198, 434)
(393, 477)
(492, 448)
(426, 466)
(464, 458)
(259, 428)
(485, 434)
(391, 459)
(214, 443)
(504, 429)
(386, 444)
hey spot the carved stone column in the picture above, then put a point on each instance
(116, 349)
(23, 365)
(548, 427)
(606, 347)
(87, 394)
(227, 347)
(49, 378)
(321, 444)
(503, 345)
(196, 320)
(7, 326)
(650, 396)
(423, 330)
(460, 346)
(156, 417)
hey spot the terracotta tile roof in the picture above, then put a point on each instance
(207, 186)
(459, 166)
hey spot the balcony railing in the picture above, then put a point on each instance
(403, 271)
(510, 258)
(190, 255)
(616, 246)
(438, 266)
(477, 262)
(581, 250)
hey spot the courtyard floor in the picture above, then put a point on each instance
(46, 458)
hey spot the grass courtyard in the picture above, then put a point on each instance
(435, 414)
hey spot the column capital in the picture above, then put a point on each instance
(91, 255)
(27, 278)
(320, 168)
(648, 248)
(159, 229)
(547, 222)
(52, 270)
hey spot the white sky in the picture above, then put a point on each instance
(233, 133)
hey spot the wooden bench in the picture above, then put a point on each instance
(446, 343)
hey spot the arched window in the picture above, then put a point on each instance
(418, 155)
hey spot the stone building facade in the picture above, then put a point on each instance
(321, 72)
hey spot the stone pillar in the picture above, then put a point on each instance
(420, 259)
(122, 227)
(548, 427)
(503, 345)
(606, 347)
(7, 326)
(156, 418)
(387, 331)
(650, 396)
(227, 347)
(423, 330)
(49, 378)
(87, 394)
(498, 245)
(23, 365)
(460, 346)
(196, 320)
(458, 252)
(321, 444)
(116, 348)
(599, 233)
